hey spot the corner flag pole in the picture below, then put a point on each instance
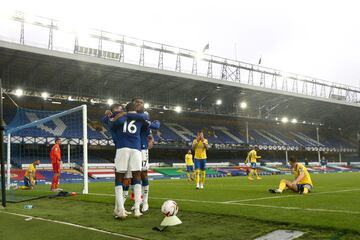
(3, 186)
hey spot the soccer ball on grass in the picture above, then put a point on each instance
(169, 208)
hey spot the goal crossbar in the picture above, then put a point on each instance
(82, 108)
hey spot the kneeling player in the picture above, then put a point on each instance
(302, 183)
(30, 176)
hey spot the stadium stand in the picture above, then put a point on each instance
(267, 135)
(227, 137)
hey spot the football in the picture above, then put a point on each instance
(169, 208)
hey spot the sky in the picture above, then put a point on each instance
(318, 38)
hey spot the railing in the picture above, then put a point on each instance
(55, 35)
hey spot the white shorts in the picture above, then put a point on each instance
(128, 174)
(127, 159)
(145, 160)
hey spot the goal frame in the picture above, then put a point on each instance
(82, 108)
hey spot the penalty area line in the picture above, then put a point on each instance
(71, 224)
(294, 195)
(251, 205)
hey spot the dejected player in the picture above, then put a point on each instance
(30, 176)
(189, 166)
(252, 159)
(55, 156)
(200, 145)
(302, 183)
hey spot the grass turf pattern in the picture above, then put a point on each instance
(228, 208)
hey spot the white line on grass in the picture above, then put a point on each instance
(297, 208)
(295, 195)
(72, 224)
(260, 205)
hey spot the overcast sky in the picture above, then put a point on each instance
(319, 38)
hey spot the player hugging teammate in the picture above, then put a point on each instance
(131, 134)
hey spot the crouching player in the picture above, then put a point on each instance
(302, 183)
(189, 166)
(30, 176)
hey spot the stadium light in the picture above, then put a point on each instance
(178, 109)
(146, 105)
(19, 92)
(276, 119)
(304, 122)
(196, 99)
(44, 95)
(243, 105)
(284, 120)
(110, 102)
(70, 98)
(218, 102)
(294, 120)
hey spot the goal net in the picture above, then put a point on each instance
(30, 135)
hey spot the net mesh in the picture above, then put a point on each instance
(29, 136)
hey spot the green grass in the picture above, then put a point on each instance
(203, 212)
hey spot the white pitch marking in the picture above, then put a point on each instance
(71, 224)
(259, 205)
(295, 195)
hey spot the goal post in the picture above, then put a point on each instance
(40, 131)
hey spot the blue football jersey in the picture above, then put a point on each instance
(146, 131)
(125, 131)
(107, 122)
(128, 129)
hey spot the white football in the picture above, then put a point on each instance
(169, 208)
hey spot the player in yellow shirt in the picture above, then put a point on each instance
(302, 183)
(252, 159)
(189, 166)
(30, 176)
(200, 145)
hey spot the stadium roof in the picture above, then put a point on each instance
(38, 69)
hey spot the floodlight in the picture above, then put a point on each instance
(178, 109)
(243, 105)
(19, 92)
(110, 102)
(284, 120)
(44, 95)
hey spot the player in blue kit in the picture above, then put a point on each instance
(146, 144)
(117, 110)
(125, 130)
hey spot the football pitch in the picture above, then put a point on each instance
(228, 208)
